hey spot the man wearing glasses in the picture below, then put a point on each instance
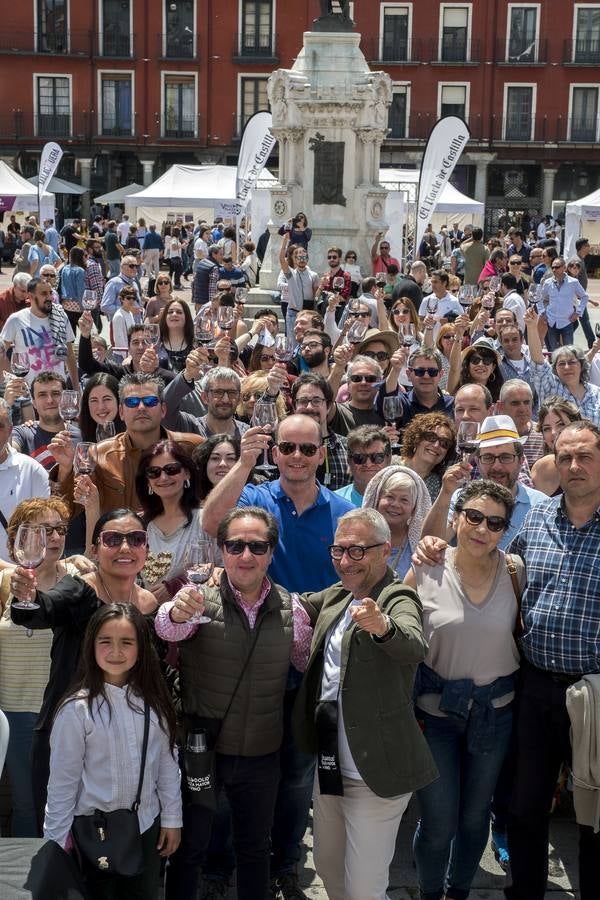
(369, 451)
(424, 371)
(354, 710)
(127, 277)
(303, 283)
(380, 255)
(562, 302)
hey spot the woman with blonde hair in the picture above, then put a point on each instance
(253, 387)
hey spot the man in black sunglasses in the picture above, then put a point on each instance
(365, 376)
(369, 451)
(424, 370)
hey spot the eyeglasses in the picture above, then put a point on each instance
(421, 371)
(493, 523)
(256, 548)
(567, 363)
(370, 379)
(489, 459)
(221, 393)
(354, 551)
(134, 402)
(360, 459)
(432, 438)
(113, 539)
(310, 345)
(380, 355)
(173, 468)
(289, 447)
(485, 358)
(255, 395)
(61, 530)
(310, 401)
(360, 315)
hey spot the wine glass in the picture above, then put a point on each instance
(432, 304)
(489, 301)
(533, 293)
(199, 561)
(466, 443)
(338, 284)
(19, 366)
(69, 406)
(241, 295)
(265, 416)
(89, 300)
(353, 305)
(392, 411)
(151, 334)
(105, 431)
(225, 318)
(84, 461)
(495, 282)
(409, 335)
(283, 347)
(465, 297)
(356, 332)
(29, 551)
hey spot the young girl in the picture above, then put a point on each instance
(96, 746)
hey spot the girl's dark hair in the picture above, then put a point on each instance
(297, 218)
(494, 382)
(145, 680)
(485, 488)
(86, 422)
(113, 516)
(201, 455)
(188, 328)
(76, 257)
(152, 505)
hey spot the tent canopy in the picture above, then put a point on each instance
(17, 194)
(586, 209)
(451, 199)
(193, 186)
(60, 186)
(121, 194)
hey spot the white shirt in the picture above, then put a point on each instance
(516, 304)
(120, 323)
(33, 336)
(447, 304)
(123, 229)
(21, 478)
(95, 764)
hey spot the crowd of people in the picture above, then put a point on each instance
(340, 552)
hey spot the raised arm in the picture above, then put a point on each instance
(375, 247)
(226, 493)
(282, 253)
(461, 325)
(533, 337)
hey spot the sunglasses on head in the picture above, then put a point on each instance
(421, 371)
(173, 468)
(493, 523)
(134, 402)
(114, 539)
(486, 358)
(432, 438)
(361, 458)
(370, 379)
(257, 548)
(289, 447)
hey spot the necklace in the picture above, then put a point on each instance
(108, 593)
(463, 581)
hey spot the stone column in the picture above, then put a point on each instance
(548, 190)
(147, 168)
(85, 173)
(482, 160)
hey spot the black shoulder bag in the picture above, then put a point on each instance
(111, 841)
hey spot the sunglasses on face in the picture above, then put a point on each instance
(400, 312)
(360, 459)
(484, 358)
(351, 256)
(61, 530)
(289, 447)
(335, 258)
(370, 379)
(161, 283)
(114, 539)
(359, 315)
(256, 395)
(493, 523)
(355, 551)
(432, 438)
(560, 266)
(134, 402)
(380, 355)
(421, 371)
(256, 548)
(173, 468)
(301, 258)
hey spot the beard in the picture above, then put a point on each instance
(315, 359)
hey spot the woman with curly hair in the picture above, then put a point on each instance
(554, 415)
(428, 447)
(176, 333)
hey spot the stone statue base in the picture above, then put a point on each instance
(332, 23)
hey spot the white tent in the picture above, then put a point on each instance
(17, 195)
(120, 195)
(585, 210)
(60, 186)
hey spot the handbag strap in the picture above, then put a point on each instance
(512, 571)
(138, 796)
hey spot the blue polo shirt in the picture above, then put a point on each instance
(349, 492)
(301, 560)
(525, 500)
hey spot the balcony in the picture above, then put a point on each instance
(407, 51)
(456, 51)
(57, 43)
(20, 125)
(255, 47)
(183, 128)
(519, 53)
(419, 125)
(583, 51)
(177, 46)
(583, 130)
(115, 45)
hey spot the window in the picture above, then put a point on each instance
(584, 114)
(253, 98)
(53, 96)
(455, 29)
(52, 34)
(179, 38)
(453, 100)
(519, 113)
(179, 106)
(398, 115)
(587, 35)
(257, 25)
(116, 114)
(522, 34)
(116, 28)
(395, 34)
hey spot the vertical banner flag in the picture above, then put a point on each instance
(257, 143)
(49, 160)
(446, 142)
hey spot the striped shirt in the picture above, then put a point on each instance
(561, 602)
(547, 384)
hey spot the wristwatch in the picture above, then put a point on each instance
(391, 630)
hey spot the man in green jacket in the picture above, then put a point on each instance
(355, 710)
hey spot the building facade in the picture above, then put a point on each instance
(129, 87)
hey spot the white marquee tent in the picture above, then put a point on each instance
(582, 218)
(60, 186)
(17, 195)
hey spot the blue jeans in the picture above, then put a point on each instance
(455, 809)
(18, 764)
(290, 318)
(555, 334)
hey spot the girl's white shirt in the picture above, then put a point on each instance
(95, 764)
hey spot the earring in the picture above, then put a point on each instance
(186, 483)
(150, 491)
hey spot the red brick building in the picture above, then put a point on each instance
(130, 86)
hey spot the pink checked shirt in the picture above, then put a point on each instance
(174, 631)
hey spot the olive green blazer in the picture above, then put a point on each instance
(376, 684)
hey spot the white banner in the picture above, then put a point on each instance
(49, 160)
(446, 142)
(257, 143)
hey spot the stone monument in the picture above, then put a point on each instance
(330, 115)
